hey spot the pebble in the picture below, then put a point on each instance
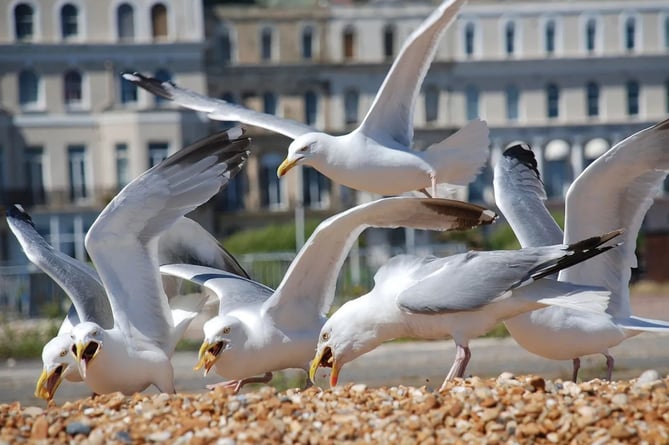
(471, 410)
(75, 428)
(647, 377)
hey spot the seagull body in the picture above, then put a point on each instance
(123, 245)
(461, 296)
(377, 156)
(259, 330)
(616, 190)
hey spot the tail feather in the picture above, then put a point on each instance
(460, 157)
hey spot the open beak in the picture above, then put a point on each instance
(208, 355)
(286, 165)
(325, 359)
(48, 382)
(85, 354)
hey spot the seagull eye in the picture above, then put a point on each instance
(95, 333)
(325, 336)
(63, 353)
(303, 149)
(226, 330)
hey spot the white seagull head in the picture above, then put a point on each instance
(58, 363)
(87, 342)
(344, 337)
(309, 149)
(221, 333)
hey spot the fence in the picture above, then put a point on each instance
(26, 292)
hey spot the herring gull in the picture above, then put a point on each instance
(616, 190)
(461, 296)
(377, 156)
(123, 245)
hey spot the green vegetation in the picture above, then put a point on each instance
(271, 238)
(26, 342)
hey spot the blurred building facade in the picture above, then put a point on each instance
(569, 78)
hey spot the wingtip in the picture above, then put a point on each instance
(150, 84)
(18, 212)
(523, 154)
(488, 216)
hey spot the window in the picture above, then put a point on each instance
(28, 88)
(307, 43)
(557, 169)
(470, 36)
(272, 195)
(157, 152)
(632, 98)
(269, 103)
(122, 165)
(266, 43)
(225, 46)
(125, 22)
(23, 22)
(310, 107)
(550, 37)
(72, 88)
(510, 38)
(315, 189)
(351, 104)
(163, 75)
(159, 21)
(594, 149)
(69, 21)
(348, 42)
(552, 101)
(231, 198)
(472, 102)
(591, 35)
(512, 102)
(666, 95)
(630, 34)
(666, 32)
(2, 176)
(128, 90)
(76, 156)
(592, 91)
(34, 173)
(431, 103)
(388, 41)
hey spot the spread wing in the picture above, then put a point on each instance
(218, 109)
(391, 113)
(79, 281)
(520, 196)
(123, 241)
(233, 291)
(309, 283)
(616, 191)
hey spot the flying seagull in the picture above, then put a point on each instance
(123, 245)
(377, 156)
(616, 190)
(461, 296)
(258, 330)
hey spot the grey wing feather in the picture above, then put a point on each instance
(218, 109)
(233, 291)
(79, 281)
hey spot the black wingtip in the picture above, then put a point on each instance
(523, 154)
(150, 84)
(16, 211)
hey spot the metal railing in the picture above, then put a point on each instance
(26, 292)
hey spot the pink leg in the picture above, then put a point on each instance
(433, 179)
(609, 366)
(576, 366)
(460, 362)
(236, 385)
(465, 362)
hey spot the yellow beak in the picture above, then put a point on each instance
(334, 374)
(46, 387)
(285, 166)
(206, 358)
